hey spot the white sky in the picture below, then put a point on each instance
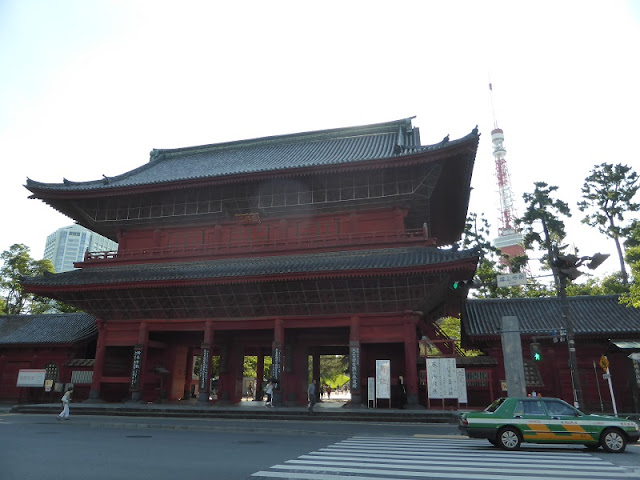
(90, 87)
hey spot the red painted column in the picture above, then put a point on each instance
(188, 375)
(315, 371)
(136, 386)
(204, 389)
(98, 364)
(355, 383)
(260, 375)
(411, 358)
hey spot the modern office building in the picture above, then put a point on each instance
(69, 244)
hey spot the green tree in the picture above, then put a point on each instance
(608, 194)
(16, 263)
(451, 326)
(632, 298)
(609, 285)
(543, 209)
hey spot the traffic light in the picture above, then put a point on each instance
(536, 352)
(567, 266)
(455, 285)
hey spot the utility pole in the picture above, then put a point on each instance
(566, 266)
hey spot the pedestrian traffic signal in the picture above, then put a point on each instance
(536, 352)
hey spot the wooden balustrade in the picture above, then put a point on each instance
(245, 246)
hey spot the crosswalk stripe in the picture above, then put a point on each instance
(401, 458)
(574, 472)
(474, 476)
(482, 463)
(455, 452)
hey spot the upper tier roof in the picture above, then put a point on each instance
(270, 154)
(592, 315)
(61, 328)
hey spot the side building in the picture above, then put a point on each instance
(333, 242)
(70, 244)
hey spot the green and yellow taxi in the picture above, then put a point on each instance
(509, 421)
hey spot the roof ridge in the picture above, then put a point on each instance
(312, 135)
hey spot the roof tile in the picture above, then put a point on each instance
(598, 314)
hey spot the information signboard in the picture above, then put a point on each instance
(462, 385)
(33, 378)
(371, 390)
(383, 379)
(442, 379)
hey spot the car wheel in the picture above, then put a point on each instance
(509, 438)
(613, 441)
(592, 446)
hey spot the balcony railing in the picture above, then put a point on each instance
(247, 247)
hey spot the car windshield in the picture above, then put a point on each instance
(495, 405)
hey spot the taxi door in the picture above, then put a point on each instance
(532, 419)
(564, 422)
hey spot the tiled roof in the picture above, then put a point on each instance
(271, 154)
(318, 263)
(590, 315)
(46, 328)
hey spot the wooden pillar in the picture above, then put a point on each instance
(204, 389)
(98, 364)
(355, 382)
(260, 375)
(315, 369)
(411, 358)
(136, 386)
(188, 375)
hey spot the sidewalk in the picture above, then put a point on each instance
(334, 409)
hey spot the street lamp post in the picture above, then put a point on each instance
(566, 266)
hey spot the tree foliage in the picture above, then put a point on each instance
(608, 194)
(543, 210)
(632, 298)
(16, 263)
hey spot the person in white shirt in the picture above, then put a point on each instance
(66, 399)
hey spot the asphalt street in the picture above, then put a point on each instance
(40, 447)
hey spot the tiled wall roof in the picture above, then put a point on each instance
(590, 315)
(46, 328)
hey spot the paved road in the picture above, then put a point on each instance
(40, 448)
(410, 458)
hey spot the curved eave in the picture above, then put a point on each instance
(99, 188)
(465, 267)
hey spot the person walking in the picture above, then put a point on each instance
(269, 391)
(66, 399)
(312, 395)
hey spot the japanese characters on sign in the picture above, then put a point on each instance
(442, 379)
(462, 385)
(31, 378)
(204, 368)
(277, 363)
(383, 379)
(355, 367)
(135, 370)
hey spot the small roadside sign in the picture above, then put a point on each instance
(604, 363)
(511, 279)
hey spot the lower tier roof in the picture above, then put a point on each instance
(233, 270)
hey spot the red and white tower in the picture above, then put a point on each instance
(509, 239)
